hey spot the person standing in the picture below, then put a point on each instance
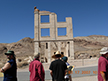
(103, 65)
(10, 68)
(68, 73)
(36, 69)
(57, 67)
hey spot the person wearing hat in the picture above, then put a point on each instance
(10, 68)
(67, 76)
(36, 69)
(57, 67)
(103, 65)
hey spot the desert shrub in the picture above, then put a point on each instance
(22, 64)
(94, 56)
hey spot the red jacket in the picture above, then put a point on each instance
(36, 71)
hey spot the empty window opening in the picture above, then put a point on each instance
(46, 45)
(44, 18)
(39, 44)
(45, 32)
(62, 53)
(68, 53)
(68, 42)
(61, 31)
(54, 52)
(90, 57)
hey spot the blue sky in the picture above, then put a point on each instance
(90, 17)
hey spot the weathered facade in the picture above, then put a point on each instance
(48, 45)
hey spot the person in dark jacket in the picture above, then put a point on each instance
(36, 69)
(10, 68)
(57, 67)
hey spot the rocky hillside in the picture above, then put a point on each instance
(84, 47)
(22, 49)
(89, 45)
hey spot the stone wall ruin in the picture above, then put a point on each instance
(48, 45)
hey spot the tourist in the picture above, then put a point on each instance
(36, 69)
(57, 67)
(10, 68)
(103, 65)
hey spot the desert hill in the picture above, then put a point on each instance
(87, 47)
(84, 47)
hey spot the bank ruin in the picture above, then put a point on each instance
(48, 45)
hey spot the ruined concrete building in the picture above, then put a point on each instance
(48, 45)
